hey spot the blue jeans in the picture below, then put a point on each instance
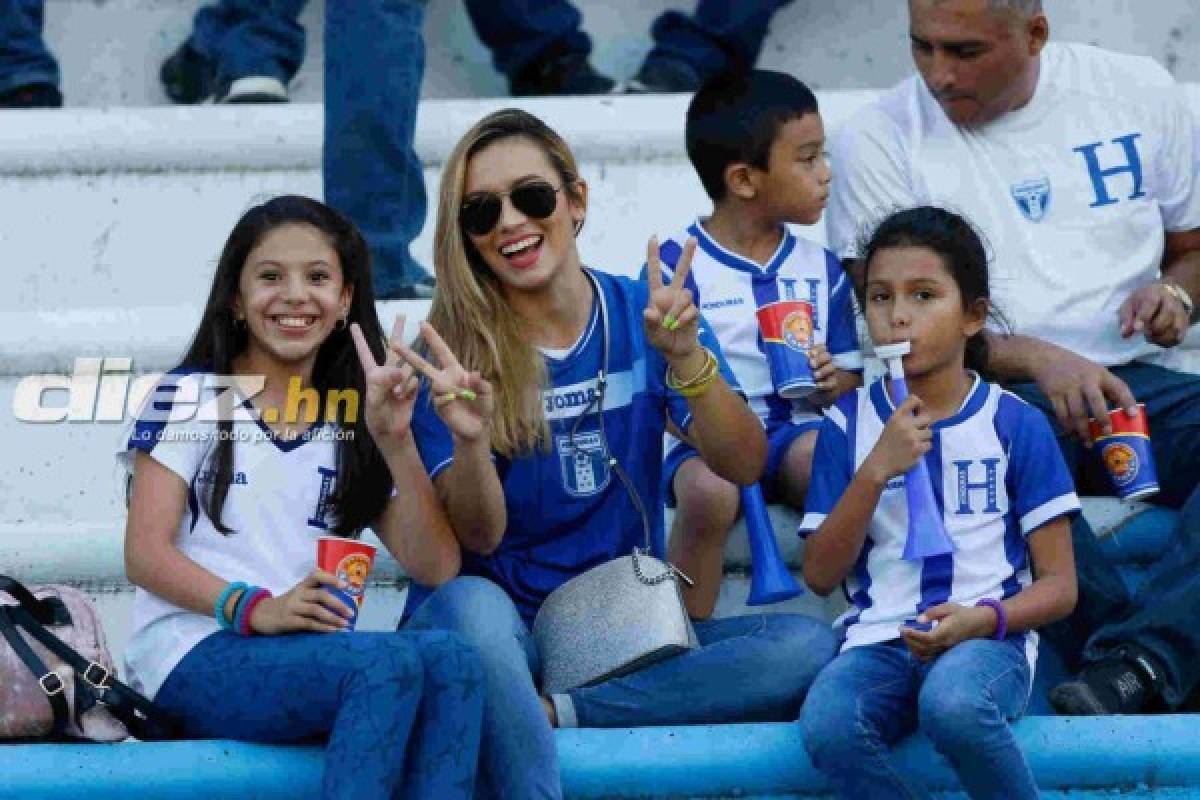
(24, 59)
(251, 37)
(719, 34)
(870, 697)
(401, 711)
(518, 31)
(749, 668)
(1160, 617)
(374, 60)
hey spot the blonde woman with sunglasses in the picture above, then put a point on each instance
(549, 386)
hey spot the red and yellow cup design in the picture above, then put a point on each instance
(351, 561)
(1126, 453)
(787, 332)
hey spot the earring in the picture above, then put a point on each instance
(340, 325)
(239, 326)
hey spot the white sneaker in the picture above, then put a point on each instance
(255, 89)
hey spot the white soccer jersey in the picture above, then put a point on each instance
(277, 506)
(1073, 192)
(729, 289)
(997, 477)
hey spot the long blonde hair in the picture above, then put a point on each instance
(469, 308)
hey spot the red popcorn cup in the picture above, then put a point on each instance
(351, 561)
(787, 332)
(1126, 453)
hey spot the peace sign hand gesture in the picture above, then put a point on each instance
(391, 389)
(462, 399)
(671, 320)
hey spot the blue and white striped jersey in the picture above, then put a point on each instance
(997, 477)
(729, 289)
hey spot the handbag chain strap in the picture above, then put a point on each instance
(670, 573)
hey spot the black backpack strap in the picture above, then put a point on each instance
(51, 682)
(49, 611)
(142, 718)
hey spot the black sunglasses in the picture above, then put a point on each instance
(480, 212)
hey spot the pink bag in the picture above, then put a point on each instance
(57, 677)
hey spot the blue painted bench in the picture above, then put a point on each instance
(1071, 757)
(1155, 756)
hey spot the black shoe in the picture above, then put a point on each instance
(664, 76)
(187, 76)
(34, 95)
(1124, 683)
(559, 73)
(421, 290)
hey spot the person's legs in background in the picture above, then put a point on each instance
(374, 60)
(240, 51)
(517, 757)
(1150, 654)
(29, 75)
(1133, 652)
(539, 45)
(691, 48)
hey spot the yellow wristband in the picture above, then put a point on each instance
(696, 391)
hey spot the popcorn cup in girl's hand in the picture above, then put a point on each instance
(350, 561)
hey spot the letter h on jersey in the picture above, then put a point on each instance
(965, 486)
(1132, 165)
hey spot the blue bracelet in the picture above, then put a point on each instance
(223, 598)
(1001, 617)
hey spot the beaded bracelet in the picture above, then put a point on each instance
(1001, 617)
(246, 609)
(223, 621)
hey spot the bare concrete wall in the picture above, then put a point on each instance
(111, 49)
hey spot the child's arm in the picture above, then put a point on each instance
(1048, 599)
(841, 347)
(831, 550)
(832, 382)
(158, 498)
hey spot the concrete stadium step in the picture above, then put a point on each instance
(129, 208)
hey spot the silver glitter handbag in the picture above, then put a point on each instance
(613, 619)
(610, 621)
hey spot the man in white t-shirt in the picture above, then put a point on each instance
(1081, 167)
